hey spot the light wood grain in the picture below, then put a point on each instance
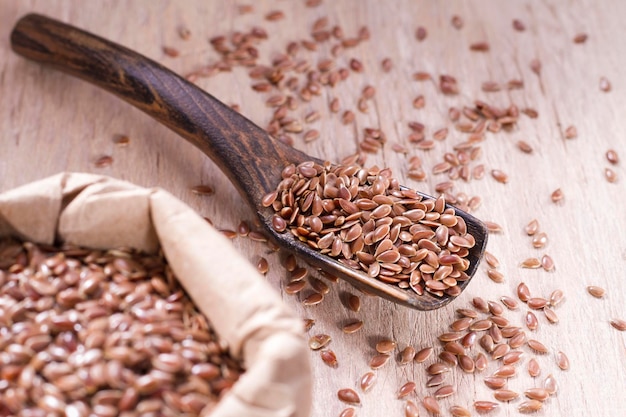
(50, 122)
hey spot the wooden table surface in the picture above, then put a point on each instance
(50, 122)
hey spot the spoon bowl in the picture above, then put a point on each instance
(248, 156)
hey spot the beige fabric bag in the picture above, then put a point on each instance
(101, 212)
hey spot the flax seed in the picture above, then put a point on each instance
(531, 321)
(274, 15)
(458, 411)
(580, 38)
(423, 354)
(411, 409)
(557, 195)
(348, 412)
(431, 405)
(610, 175)
(547, 263)
(385, 346)
(570, 132)
(534, 369)
(518, 25)
(556, 298)
(612, 157)
(367, 381)
(319, 341)
(406, 389)
(313, 299)
(480, 47)
(618, 324)
(348, 395)
(457, 21)
(421, 33)
(597, 292)
(386, 64)
(539, 240)
(104, 161)
(529, 406)
(485, 406)
(378, 361)
(352, 327)
(480, 362)
(499, 176)
(605, 85)
(550, 384)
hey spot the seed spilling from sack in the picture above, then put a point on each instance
(86, 329)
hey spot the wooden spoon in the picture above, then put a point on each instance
(251, 159)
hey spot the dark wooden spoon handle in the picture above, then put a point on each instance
(246, 154)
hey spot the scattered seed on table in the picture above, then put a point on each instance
(557, 195)
(571, 132)
(262, 266)
(423, 354)
(295, 287)
(505, 395)
(385, 346)
(319, 341)
(550, 384)
(407, 355)
(556, 298)
(540, 240)
(535, 66)
(537, 303)
(547, 263)
(619, 324)
(612, 157)
(431, 405)
(534, 369)
(481, 362)
(562, 361)
(595, 291)
(495, 382)
(539, 394)
(479, 47)
(610, 175)
(518, 25)
(387, 65)
(348, 395)
(274, 15)
(437, 368)
(104, 161)
(531, 263)
(378, 361)
(421, 33)
(313, 299)
(509, 302)
(123, 140)
(524, 146)
(436, 380)
(605, 84)
(367, 381)
(505, 371)
(411, 409)
(580, 38)
(329, 358)
(406, 389)
(485, 406)
(537, 346)
(532, 227)
(523, 293)
(457, 21)
(530, 406)
(550, 315)
(348, 412)
(458, 411)
(495, 276)
(171, 52)
(444, 391)
(352, 327)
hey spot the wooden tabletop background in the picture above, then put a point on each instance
(50, 122)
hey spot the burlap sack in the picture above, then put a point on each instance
(101, 212)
